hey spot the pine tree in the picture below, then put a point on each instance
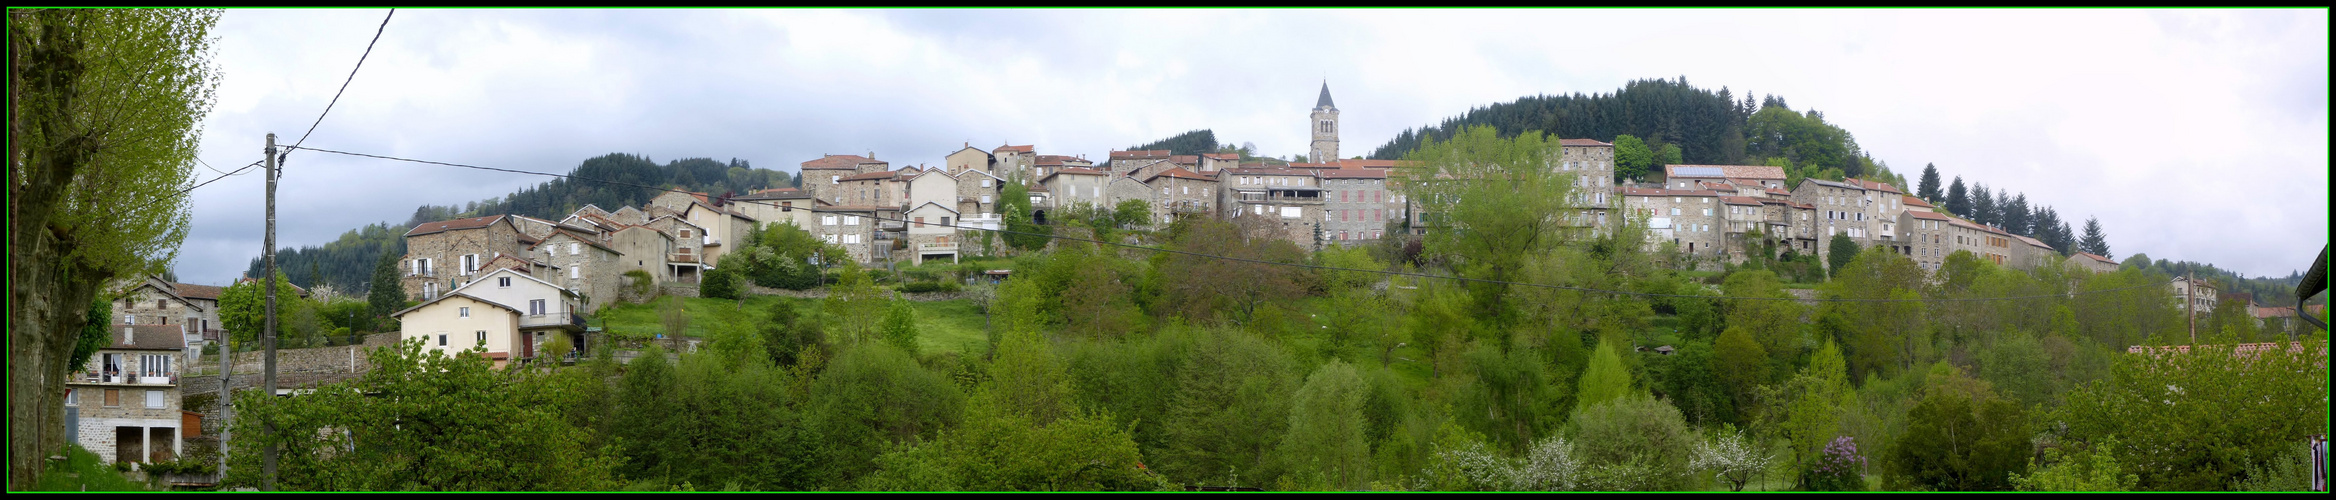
(1929, 190)
(2016, 218)
(1983, 207)
(386, 295)
(1958, 200)
(2095, 242)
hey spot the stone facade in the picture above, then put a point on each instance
(154, 302)
(443, 255)
(1592, 163)
(1923, 237)
(1356, 205)
(588, 266)
(978, 195)
(1122, 189)
(1072, 186)
(1690, 219)
(126, 405)
(1324, 130)
(854, 229)
(1183, 193)
(968, 159)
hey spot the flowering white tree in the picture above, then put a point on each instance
(1732, 457)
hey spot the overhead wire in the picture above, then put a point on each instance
(1232, 258)
(328, 106)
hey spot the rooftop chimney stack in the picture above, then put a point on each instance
(127, 335)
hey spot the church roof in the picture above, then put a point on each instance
(1324, 102)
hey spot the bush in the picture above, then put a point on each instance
(83, 471)
(1839, 468)
(719, 283)
(1634, 443)
(638, 284)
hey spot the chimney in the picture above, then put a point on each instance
(127, 333)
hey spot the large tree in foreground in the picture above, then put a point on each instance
(1494, 201)
(103, 107)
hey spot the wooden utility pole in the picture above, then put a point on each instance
(226, 396)
(268, 330)
(2190, 302)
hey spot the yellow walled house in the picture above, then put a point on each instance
(457, 322)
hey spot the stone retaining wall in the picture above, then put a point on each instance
(335, 359)
(821, 293)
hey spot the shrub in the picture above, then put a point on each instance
(719, 283)
(638, 283)
(928, 287)
(1839, 468)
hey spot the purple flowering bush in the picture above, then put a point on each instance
(1839, 468)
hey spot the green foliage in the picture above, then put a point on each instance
(1231, 407)
(1774, 323)
(1632, 158)
(1691, 379)
(1961, 437)
(1198, 289)
(1636, 443)
(1510, 396)
(2087, 469)
(1492, 198)
(83, 471)
(1000, 450)
(1807, 408)
(421, 421)
(95, 334)
(1803, 138)
(781, 255)
(2197, 421)
(900, 326)
(1883, 330)
(1605, 380)
(853, 306)
(1838, 468)
(1188, 143)
(1708, 126)
(1327, 429)
(243, 310)
(2290, 471)
(720, 283)
(874, 398)
(1839, 252)
(385, 294)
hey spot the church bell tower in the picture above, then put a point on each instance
(1325, 118)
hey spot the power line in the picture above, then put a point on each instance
(328, 106)
(1240, 259)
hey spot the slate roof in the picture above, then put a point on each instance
(148, 337)
(1583, 142)
(1353, 173)
(1726, 171)
(831, 162)
(196, 291)
(1324, 101)
(1179, 173)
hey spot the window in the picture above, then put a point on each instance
(985, 183)
(830, 238)
(575, 272)
(154, 400)
(72, 397)
(851, 220)
(465, 312)
(920, 221)
(470, 264)
(113, 397)
(835, 179)
(1707, 212)
(482, 337)
(535, 307)
(827, 220)
(985, 198)
(128, 319)
(851, 239)
(161, 304)
(1674, 210)
(944, 221)
(503, 282)
(1187, 189)
(429, 290)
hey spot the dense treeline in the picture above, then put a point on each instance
(1188, 143)
(1112, 369)
(346, 263)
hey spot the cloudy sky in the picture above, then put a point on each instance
(2192, 134)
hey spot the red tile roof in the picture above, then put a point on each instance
(1184, 159)
(453, 225)
(1739, 200)
(1076, 171)
(1058, 159)
(1222, 156)
(1583, 142)
(588, 240)
(2097, 258)
(196, 291)
(1734, 171)
(1779, 191)
(1141, 153)
(1804, 206)
(1016, 149)
(1918, 214)
(1293, 170)
(1917, 202)
(843, 162)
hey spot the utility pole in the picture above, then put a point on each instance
(2190, 303)
(226, 395)
(268, 330)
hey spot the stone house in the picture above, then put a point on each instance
(156, 302)
(1684, 176)
(822, 175)
(775, 205)
(1012, 160)
(545, 309)
(1183, 193)
(1355, 204)
(1047, 165)
(689, 255)
(1293, 195)
(2194, 297)
(527, 265)
(1687, 218)
(586, 265)
(929, 232)
(533, 227)
(1744, 216)
(2094, 263)
(1987, 243)
(1212, 162)
(1923, 237)
(978, 195)
(855, 229)
(869, 189)
(1841, 209)
(2030, 253)
(125, 406)
(1121, 189)
(1125, 162)
(969, 158)
(629, 216)
(455, 322)
(1073, 186)
(934, 186)
(640, 244)
(1592, 163)
(443, 255)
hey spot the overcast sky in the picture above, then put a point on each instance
(2192, 134)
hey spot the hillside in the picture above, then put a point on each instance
(347, 262)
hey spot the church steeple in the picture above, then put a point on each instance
(1325, 130)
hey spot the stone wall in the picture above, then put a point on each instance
(821, 293)
(680, 290)
(334, 359)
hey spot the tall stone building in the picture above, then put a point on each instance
(1325, 121)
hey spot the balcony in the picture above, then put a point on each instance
(682, 258)
(570, 320)
(129, 379)
(1188, 207)
(425, 273)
